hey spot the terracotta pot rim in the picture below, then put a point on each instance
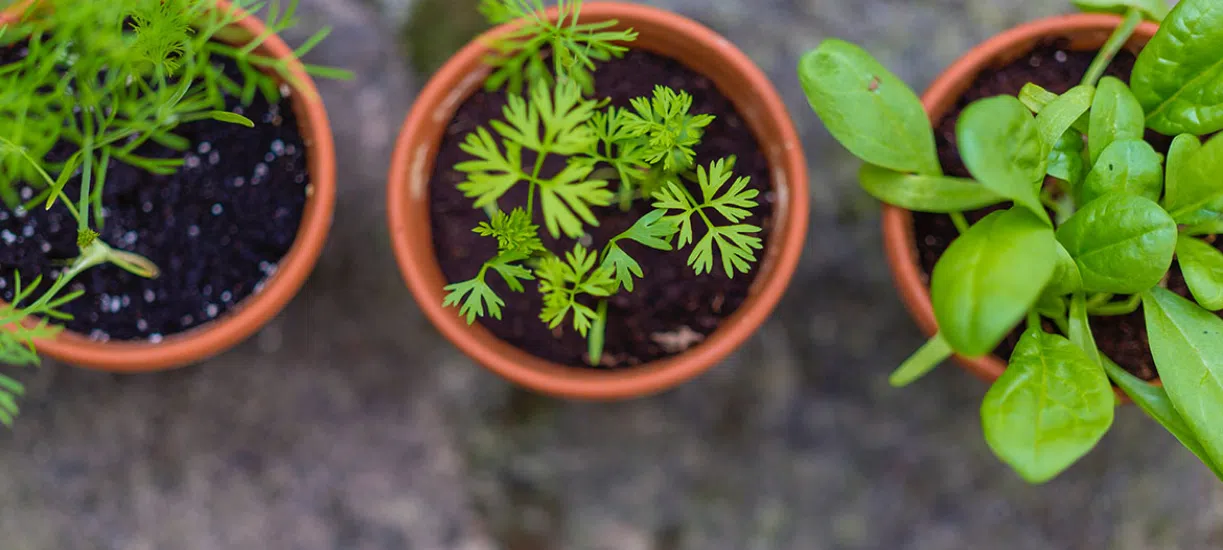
(247, 317)
(943, 92)
(409, 176)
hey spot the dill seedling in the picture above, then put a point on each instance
(103, 79)
(648, 149)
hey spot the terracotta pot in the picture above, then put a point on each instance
(255, 311)
(662, 32)
(1085, 32)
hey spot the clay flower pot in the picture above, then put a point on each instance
(248, 316)
(1085, 32)
(663, 33)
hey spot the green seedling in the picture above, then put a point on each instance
(1091, 219)
(611, 156)
(132, 72)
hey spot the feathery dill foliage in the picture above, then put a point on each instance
(611, 156)
(103, 78)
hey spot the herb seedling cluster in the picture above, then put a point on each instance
(95, 82)
(610, 156)
(1096, 218)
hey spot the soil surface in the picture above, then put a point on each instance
(1051, 65)
(670, 309)
(217, 228)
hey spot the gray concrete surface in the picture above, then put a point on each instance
(349, 424)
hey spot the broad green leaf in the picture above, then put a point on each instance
(1048, 409)
(1182, 151)
(938, 194)
(989, 278)
(1154, 401)
(1066, 159)
(1036, 98)
(1116, 115)
(1178, 77)
(1122, 243)
(1060, 115)
(1001, 146)
(1187, 343)
(1197, 181)
(1066, 278)
(933, 352)
(869, 110)
(1131, 167)
(1202, 265)
(1154, 10)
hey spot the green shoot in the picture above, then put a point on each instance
(650, 149)
(520, 55)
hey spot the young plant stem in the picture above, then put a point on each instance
(1111, 48)
(1034, 320)
(1112, 309)
(961, 222)
(595, 341)
(1098, 300)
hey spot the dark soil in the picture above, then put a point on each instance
(670, 309)
(216, 229)
(1051, 65)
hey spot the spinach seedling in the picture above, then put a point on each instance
(1090, 220)
(610, 156)
(134, 71)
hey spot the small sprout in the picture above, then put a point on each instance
(649, 149)
(1123, 213)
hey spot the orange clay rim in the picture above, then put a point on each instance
(255, 311)
(659, 31)
(1085, 32)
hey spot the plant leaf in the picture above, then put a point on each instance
(1154, 401)
(1048, 409)
(1056, 118)
(938, 194)
(1196, 187)
(1002, 148)
(566, 200)
(653, 230)
(930, 355)
(1182, 151)
(1115, 116)
(1122, 243)
(1066, 278)
(1154, 10)
(1130, 166)
(1178, 77)
(989, 278)
(1202, 265)
(869, 110)
(1066, 160)
(1187, 343)
(232, 118)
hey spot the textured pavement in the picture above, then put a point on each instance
(350, 424)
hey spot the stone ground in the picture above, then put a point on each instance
(350, 424)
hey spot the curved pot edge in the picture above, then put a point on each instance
(938, 98)
(250, 315)
(412, 164)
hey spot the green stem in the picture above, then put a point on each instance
(1098, 300)
(595, 340)
(87, 173)
(961, 223)
(1118, 308)
(1033, 320)
(1111, 48)
(1063, 324)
